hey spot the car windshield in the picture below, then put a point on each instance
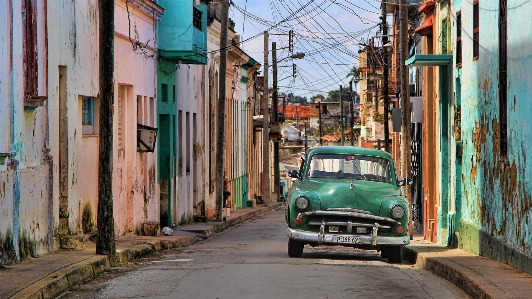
(359, 167)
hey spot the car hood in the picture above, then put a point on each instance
(354, 194)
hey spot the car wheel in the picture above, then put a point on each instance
(395, 254)
(384, 252)
(295, 248)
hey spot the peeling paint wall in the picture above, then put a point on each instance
(135, 192)
(211, 81)
(190, 180)
(496, 207)
(72, 75)
(24, 199)
(32, 208)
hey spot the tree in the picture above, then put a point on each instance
(300, 100)
(334, 95)
(319, 96)
(354, 73)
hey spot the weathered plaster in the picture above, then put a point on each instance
(135, 194)
(497, 208)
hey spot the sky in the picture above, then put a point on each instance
(329, 32)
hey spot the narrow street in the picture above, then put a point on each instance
(250, 260)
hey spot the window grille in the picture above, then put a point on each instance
(476, 37)
(197, 18)
(459, 38)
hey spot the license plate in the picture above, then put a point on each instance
(347, 239)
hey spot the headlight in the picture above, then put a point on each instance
(302, 203)
(397, 211)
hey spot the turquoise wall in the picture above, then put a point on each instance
(496, 206)
(166, 136)
(177, 38)
(240, 196)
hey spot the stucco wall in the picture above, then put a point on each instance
(24, 199)
(496, 209)
(73, 36)
(190, 105)
(213, 63)
(135, 194)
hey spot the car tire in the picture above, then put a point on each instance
(384, 252)
(295, 248)
(395, 254)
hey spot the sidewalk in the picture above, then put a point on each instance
(52, 274)
(479, 276)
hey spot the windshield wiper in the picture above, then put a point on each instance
(365, 178)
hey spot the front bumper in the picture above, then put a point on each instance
(328, 238)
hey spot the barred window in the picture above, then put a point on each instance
(476, 38)
(459, 39)
(197, 18)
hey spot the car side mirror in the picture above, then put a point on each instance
(405, 182)
(293, 174)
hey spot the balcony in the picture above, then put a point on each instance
(182, 32)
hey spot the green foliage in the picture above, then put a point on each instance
(318, 96)
(378, 117)
(325, 130)
(291, 98)
(354, 73)
(334, 95)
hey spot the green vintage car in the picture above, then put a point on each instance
(347, 196)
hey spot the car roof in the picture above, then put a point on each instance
(348, 150)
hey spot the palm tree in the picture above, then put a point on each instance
(355, 74)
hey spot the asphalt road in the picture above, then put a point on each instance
(250, 260)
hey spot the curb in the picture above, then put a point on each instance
(463, 277)
(55, 283)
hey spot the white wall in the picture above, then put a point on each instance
(134, 190)
(191, 176)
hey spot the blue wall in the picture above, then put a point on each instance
(497, 201)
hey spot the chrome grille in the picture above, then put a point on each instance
(348, 221)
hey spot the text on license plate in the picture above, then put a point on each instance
(347, 239)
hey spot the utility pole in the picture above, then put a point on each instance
(105, 243)
(275, 115)
(405, 105)
(385, 76)
(342, 127)
(306, 145)
(265, 128)
(220, 120)
(375, 81)
(319, 120)
(352, 110)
